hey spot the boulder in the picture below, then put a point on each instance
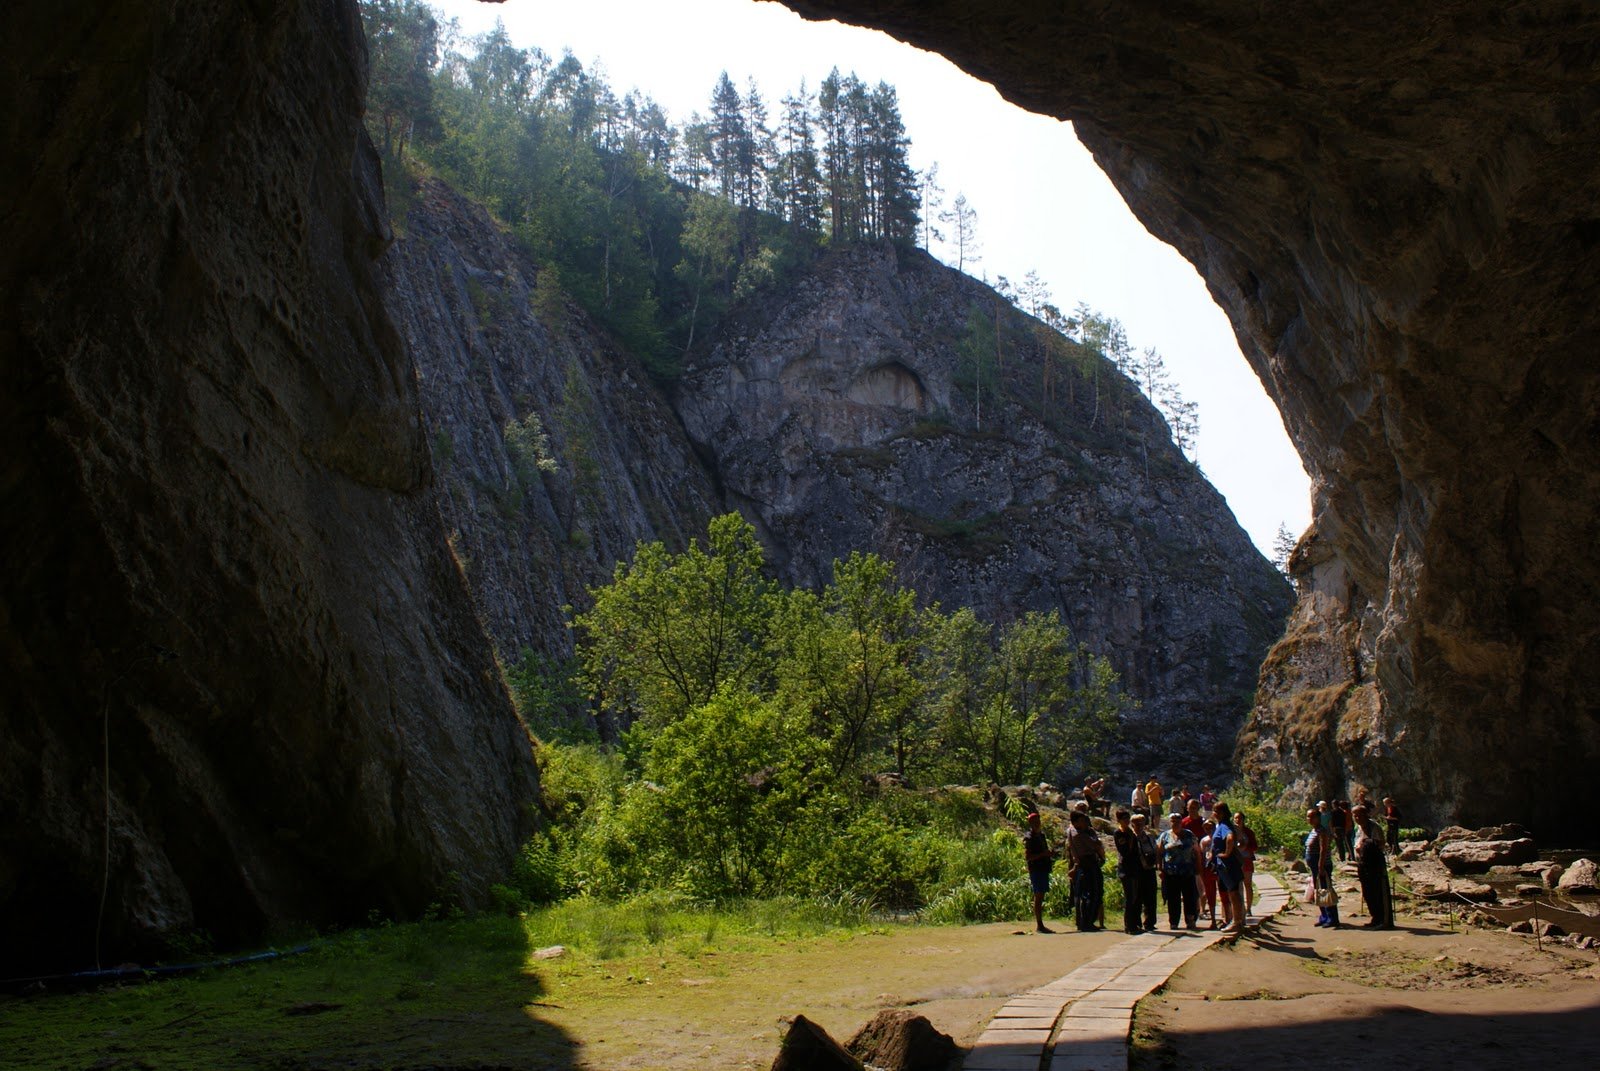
(1430, 881)
(1547, 872)
(1412, 849)
(808, 1047)
(1477, 856)
(1508, 831)
(899, 1040)
(1452, 833)
(1581, 877)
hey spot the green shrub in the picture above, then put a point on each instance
(1414, 833)
(982, 900)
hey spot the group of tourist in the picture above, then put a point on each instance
(1351, 832)
(1203, 859)
(1196, 862)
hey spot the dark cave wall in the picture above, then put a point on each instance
(224, 567)
(1397, 206)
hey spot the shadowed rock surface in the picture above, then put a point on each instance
(1398, 209)
(224, 569)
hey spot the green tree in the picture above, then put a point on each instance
(847, 659)
(732, 776)
(403, 48)
(961, 223)
(671, 629)
(710, 246)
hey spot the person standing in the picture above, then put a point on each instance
(1136, 802)
(1127, 870)
(1372, 869)
(1319, 861)
(1146, 861)
(1391, 819)
(1040, 858)
(1229, 866)
(1208, 876)
(1339, 825)
(1180, 862)
(1152, 795)
(1085, 856)
(1248, 846)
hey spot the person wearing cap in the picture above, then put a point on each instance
(1372, 869)
(1036, 850)
(1180, 862)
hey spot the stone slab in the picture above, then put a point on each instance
(1030, 1022)
(1090, 1058)
(977, 1061)
(1014, 1040)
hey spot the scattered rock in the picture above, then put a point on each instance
(1296, 866)
(1508, 831)
(1477, 856)
(1521, 926)
(898, 1040)
(1530, 890)
(1581, 877)
(1546, 871)
(807, 1047)
(1452, 833)
(1412, 849)
(550, 952)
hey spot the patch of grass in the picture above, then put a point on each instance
(456, 992)
(410, 992)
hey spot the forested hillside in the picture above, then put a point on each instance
(655, 322)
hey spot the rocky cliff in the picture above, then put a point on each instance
(837, 412)
(845, 411)
(1397, 207)
(241, 680)
(494, 344)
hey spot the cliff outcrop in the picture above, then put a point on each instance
(883, 401)
(241, 680)
(1396, 207)
(495, 343)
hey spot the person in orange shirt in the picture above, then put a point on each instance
(1152, 795)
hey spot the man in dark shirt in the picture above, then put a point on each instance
(1036, 850)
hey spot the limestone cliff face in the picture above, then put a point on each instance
(841, 414)
(241, 681)
(1397, 207)
(492, 347)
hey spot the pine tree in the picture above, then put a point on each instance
(962, 220)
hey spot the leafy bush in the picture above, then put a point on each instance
(982, 900)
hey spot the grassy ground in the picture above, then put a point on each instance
(647, 984)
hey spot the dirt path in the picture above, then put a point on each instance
(1418, 997)
(722, 1011)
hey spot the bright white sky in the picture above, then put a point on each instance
(1042, 202)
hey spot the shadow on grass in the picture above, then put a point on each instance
(454, 993)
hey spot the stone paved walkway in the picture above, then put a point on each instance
(1081, 1021)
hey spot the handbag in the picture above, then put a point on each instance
(1327, 898)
